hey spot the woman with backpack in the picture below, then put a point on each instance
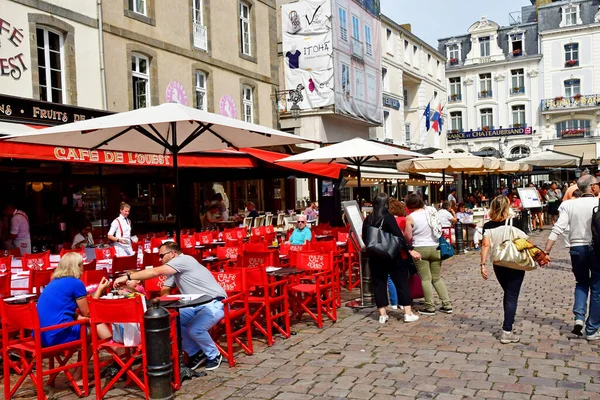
(397, 268)
(423, 228)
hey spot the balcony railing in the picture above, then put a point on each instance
(357, 49)
(485, 94)
(573, 102)
(200, 37)
(517, 90)
(454, 98)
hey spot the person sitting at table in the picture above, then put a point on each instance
(252, 213)
(222, 206)
(465, 217)
(312, 212)
(301, 233)
(515, 202)
(190, 277)
(60, 300)
(446, 215)
(211, 218)
(84, 237)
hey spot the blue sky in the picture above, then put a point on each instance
(435, 19)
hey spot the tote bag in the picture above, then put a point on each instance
(506, 253)
(381, 244)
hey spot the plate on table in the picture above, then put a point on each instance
(20, 297)
(272, 269)
(341, 243)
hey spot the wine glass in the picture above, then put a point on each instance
(34, 249)
(44, 248)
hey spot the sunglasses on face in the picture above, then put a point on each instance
(301, 222)
(160, 256)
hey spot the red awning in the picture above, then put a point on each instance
(331, 170)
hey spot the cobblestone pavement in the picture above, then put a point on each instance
(441, 357)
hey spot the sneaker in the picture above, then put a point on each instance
(578, 328)
(401, 307)
(383, 319)
(446, 309)
(214, 363)
(393, 307)
(427, 311)
(411, 318)
(196, 360)
(594, 336)
(509, 337)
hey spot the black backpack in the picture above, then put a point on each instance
(596, 229)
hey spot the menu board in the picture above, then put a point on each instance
(354, 216)
(529, 197)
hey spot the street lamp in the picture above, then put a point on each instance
(295, 110)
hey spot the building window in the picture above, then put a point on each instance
(200, 32)
(406, 52)
(574, 128)
(519, 152)
(455, 90)
(487, 118)
(456, 121)
(405, 96)
(407, 132)
(572, 55)
(570, 15)
(572, 87)
(429, 65)
(368, 43)
(345, 79)
(516, 41)
(484, 46)
(245, 28)
(248, 103)
(355, 28)
(140, 75)
(138, 6)
(385, 79)
(415, 55)
(201, 103)
(518, 116)
(518, 81)
(453, 54)
(387, 125)
(360, 84)
(389, 40)
(51, 65)
(343, 24)
(485, 86)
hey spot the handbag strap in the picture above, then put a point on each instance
(508, 225)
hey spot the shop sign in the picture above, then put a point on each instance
(43, 113)
(482, 134)
(110, 157)
(176, 93)
(577, 101)
(391, 102)
(227, 106)
(11, 51)
(572, 133)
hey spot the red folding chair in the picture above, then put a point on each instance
(93, 277)
(14, 252)
(154, 286)
(447, 234)
(236, 322)
(151, 260)
(38, 261)
(240, 233)
(6, 265)
(80, 250)
(254, 247)
(316, 288)
(253, 259)
(204, 237)
(21, 317)
(105, 253)
(330, 247)
(39, 280)
(233, 242)
(255, 238)
(351, 266)
(5, 285)
(228, 252)
(268, 302)
(156, 242)
(187, 241)
(91, 266)
(124, 264)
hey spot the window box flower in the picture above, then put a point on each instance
(577, 97)
(574, 132)
(454, 97)
(517, 52)
(571, 63)
(453, 61)
(454, 131)
(558, 98)
(485, 129)
(518, 125)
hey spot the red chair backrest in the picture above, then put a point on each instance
(251, 277)
(5, 285)
(314, 261)
(269, 229)
(91, 266)
(255, 239)
(5, 265)
(151, 260)
(342, 236)
(187, 241)
(255, 232)
(38, 261)
(204, 237)
(14, 252)
(228, 252)
(105, 253)
(286, 248)
(93, 277)
(232, 242)
(240, 233)
(156, 242)
(270, 237)
(230, 281)
(39, 279)
(17, 317)
(229, 234)
(80, 250)
(154, 285)
(252, 259)
(129, 310)
(254, 247)
(323, 246)
(122, 264)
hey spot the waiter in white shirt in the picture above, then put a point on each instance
(120, 232)
(19, 229)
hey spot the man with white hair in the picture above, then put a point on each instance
(577, 214)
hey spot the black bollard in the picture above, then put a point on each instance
(525, 220)
(158, 352)
(366, 282)
(458, 234)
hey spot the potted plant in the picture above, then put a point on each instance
(454, 131)
(517, 125)
(453, 61)
(517, 89)
(571, 63)
(484, 93)
(454, 97)
(558, 98)
(485, 129)
(577, 97)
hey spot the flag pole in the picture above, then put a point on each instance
(418, 141)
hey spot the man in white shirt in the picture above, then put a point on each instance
(19, 229)
(577, 214)
(452, 196)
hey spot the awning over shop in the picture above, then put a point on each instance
(380, 173)
(588, 151)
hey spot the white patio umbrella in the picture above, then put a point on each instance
(355, 152)
(169, 128)
(552, 158)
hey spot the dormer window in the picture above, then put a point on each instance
(453, 54)
(484, 46)
(570, 15)
(516, 42)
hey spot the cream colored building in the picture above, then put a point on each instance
(413, 75)
(49, 51)
(216, 55)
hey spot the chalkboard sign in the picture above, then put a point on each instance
(529, 197)
(354, 216)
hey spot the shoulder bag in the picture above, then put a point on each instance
(506, 253)
(381, 244)
(446, 249)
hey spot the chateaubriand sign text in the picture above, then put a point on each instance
(488, 134)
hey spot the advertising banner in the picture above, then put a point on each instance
(308, 53)
(489, 133)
